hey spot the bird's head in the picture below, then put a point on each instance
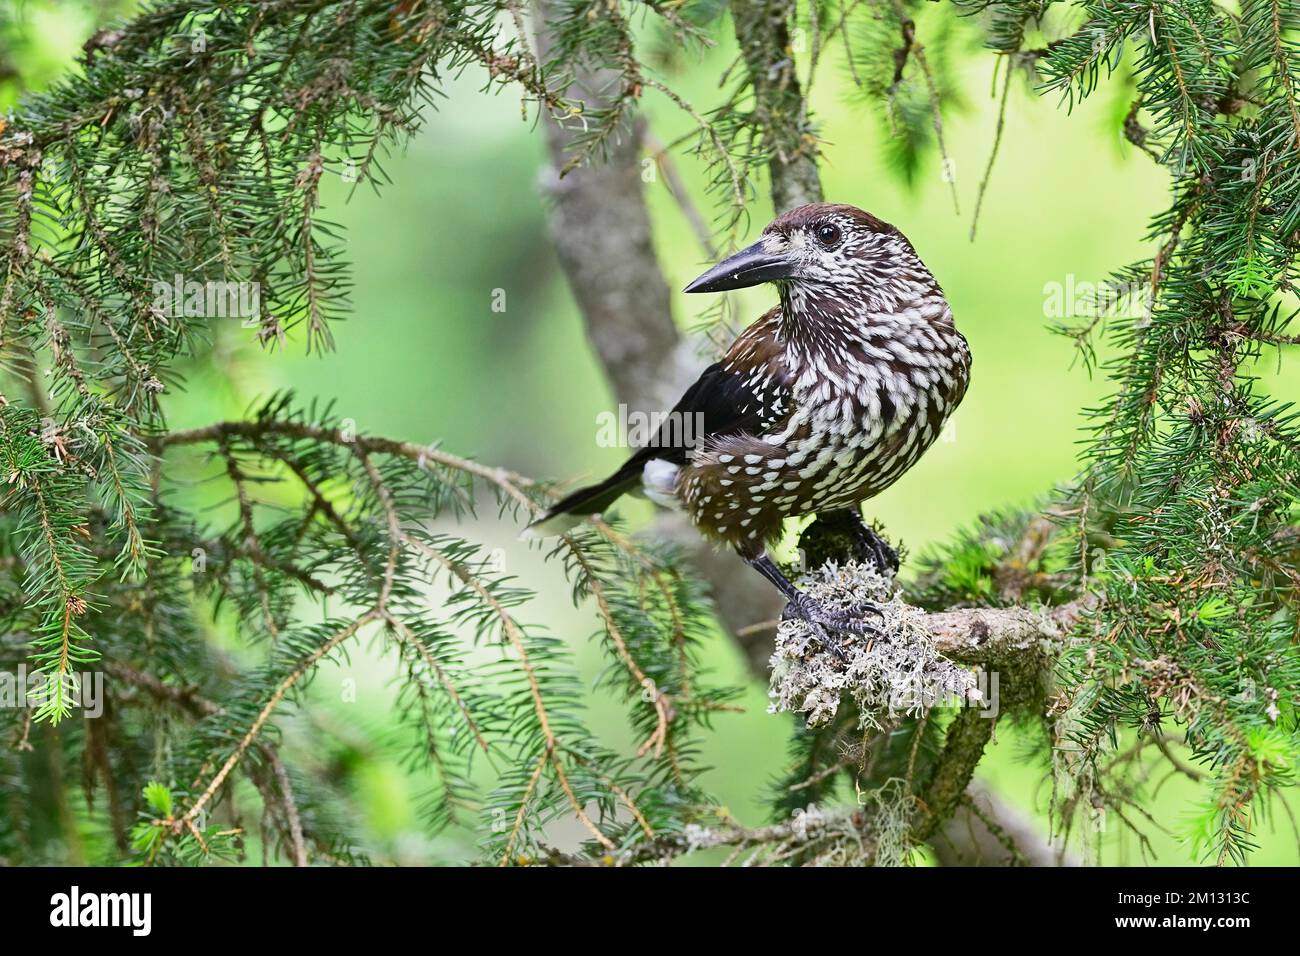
(828, 256)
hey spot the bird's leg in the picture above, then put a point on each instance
(868, 546)
(840, 535)
(800, 606)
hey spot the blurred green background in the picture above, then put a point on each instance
(424, 357)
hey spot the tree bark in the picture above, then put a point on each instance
(763, 32)
(988, 831)
(600, 229)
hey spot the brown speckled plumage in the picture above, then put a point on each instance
(825, 401)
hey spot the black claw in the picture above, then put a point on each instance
(855, 612)
(843, 533)
(825, 621)
(849, 621)
(832, 643)
(872, 548)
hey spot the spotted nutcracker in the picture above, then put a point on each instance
(822, 403)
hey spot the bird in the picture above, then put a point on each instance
(819, 405)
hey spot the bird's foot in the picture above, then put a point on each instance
(834, 625)
(871, 548)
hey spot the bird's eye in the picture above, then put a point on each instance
(828, 235)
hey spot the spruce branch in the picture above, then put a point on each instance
(1146, 612)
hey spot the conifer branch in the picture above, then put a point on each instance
(1145, 614)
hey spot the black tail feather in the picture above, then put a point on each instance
(591, 500)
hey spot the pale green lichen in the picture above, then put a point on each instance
(897, 670)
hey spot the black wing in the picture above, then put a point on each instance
(721, 402)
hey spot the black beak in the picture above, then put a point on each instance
(748, 267)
